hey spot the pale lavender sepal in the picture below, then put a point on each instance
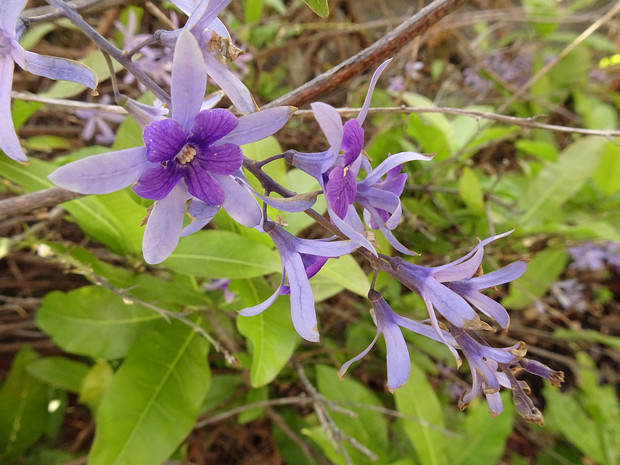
(186, 6)
(395, 243)
(10, 10)
(345, 366)
(451, 305)
(9, 142)
(350, 232)
(495, 403)
(104, 173)
(298, 203)
(303, 314)
(315, 164)
(326, 249)
(373, 82)
(144, 114)
(392, 162)
(189, 80)
(214, 7)
(259, 308)
(397, 357)
(461, 270)
(236, 91)
(258, 125)
(439, 269)
(53, 67)
(163, 228)
(489, 307)
(239, 202)
(331, 124)
(495, 278)
(201, 214)
(219, 28)
(195, 12)
(212, 100)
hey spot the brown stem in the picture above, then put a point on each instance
(380, 50)
(40, 199)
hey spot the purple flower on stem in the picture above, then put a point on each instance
(451, 289)
(336, 172)
(193, 154)
(301, 259)
(50, 67)
(389, 324)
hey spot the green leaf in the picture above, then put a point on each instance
(368, 426)
(433, 131)
(564, 413)
(471, 191)
(93, 321)
(589, 335)
(153, 401)
(541, 273)
(607, 175)
(538, 148)
(320, 7)
(485, 437)
(252, 10)
(346, 273)
(60, 372)
(254, 395)
(425, 431)
(222, 254)
(23, 408)
(95, 385)
(558, 182)
(271, 334)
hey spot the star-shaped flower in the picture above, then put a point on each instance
(194, 154)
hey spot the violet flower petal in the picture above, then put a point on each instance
(331, 124)
(163, 228)
(53, 67)
(9, 142)
(258, 125)
(352, 141)
(340, 190)
(189, 80)
(202, 186)
(104, 173)
(157, 182)
(164, 140)
(220, 159)
(212, 125)
(371, 87)
(10, 10)
(239, 202)
(236, 91)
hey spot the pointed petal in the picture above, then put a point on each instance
(352, 141)
(489, 307)
(303, 314)
(495, 278)
(156, 182)
(236, 91)
(202, 186)
(256, 309)
(221, 159)
(346, 365)
(54, 68)
(164, 140)
(239, 202)
(331, 124)
(371, 87)
(102, 174)
(211, 125)
(189, 80)
(325, 249)
(258, 125)
(451, 305)
(164, 225)
(462, 270)
(392, 162)
(297, 203)
(9, 142)
(10, 10)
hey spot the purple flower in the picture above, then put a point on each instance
(451, 289)
(301, 259)
(11, 52)
(98, 119)
(204, 25)
(336, 172)
(195, 154)
(594, 257)
(389, 324)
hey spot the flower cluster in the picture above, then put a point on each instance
(192, 163)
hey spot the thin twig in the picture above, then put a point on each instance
(380, 50)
